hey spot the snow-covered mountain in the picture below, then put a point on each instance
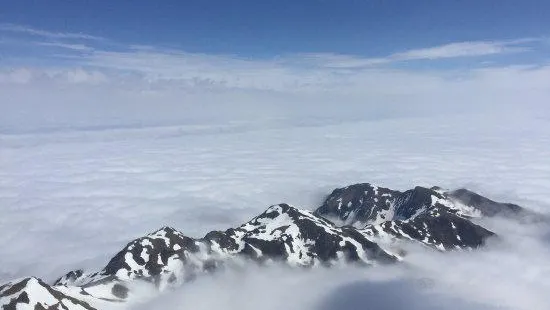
(33, 293)
(360, 224)
(363, 204)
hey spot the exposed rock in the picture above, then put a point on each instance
(357, 224)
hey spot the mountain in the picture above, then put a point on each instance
(430, 216)
(33, 293)
(360, 224)
(363, 204)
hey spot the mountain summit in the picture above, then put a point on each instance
(359, 224)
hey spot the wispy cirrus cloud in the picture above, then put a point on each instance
(156, 62)
(464, 49)
(445, 51)
(69, 46)
(21, 29)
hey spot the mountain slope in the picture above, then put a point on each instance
(357, 224)
(33, 293)
(363, 204)
(280, 234)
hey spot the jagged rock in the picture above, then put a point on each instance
(359, 203)
(358, 224)
(70, 277)
(363, 204)
(281, 233)
(436, 228)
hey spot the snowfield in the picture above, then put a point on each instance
(72, 199)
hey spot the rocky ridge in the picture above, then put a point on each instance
(359, 224)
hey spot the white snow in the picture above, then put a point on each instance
(38, 294)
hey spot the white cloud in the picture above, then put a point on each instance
(176, 63)
(46, 34)
(167, 70)
(162, 83)
(338, 61)
(461, 49)
(446, 51)
(74, 47)
(17, 76)
(104, 187)
(134, 90)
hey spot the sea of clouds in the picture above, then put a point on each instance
(121, 143)
(72, 199)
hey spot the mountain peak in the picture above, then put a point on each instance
(361, 224)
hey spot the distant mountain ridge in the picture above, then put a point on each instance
(360, 224)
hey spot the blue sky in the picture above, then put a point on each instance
(370, 28)
(105, 54)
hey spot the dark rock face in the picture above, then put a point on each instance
(363, 204)
(436, 228)
(413, 201)
(359, 203)
(151, 252)
(301, 238)
(431, 216)
(70, 277)
(280, 234)
(486, 206)
(358, 224)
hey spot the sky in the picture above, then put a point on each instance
(270, 28)
(97, 64)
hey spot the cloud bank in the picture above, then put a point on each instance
(76, 81)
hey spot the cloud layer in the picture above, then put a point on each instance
(83, 195)
(74, 80)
